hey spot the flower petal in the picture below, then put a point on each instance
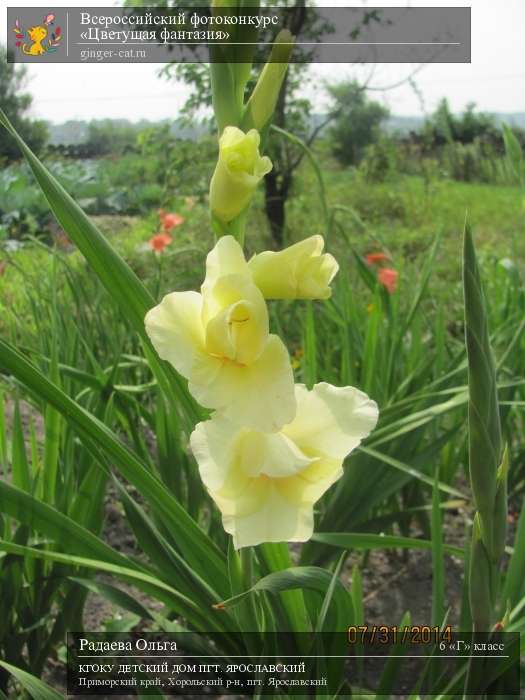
(213, 444)
(300, 271)
(226, 258)
(235, 317)
(271, 455)
(228, 454)
(259, 395)
(311, 483)
(270, 518)
(175, 329)
(331, 421)
(253, 508)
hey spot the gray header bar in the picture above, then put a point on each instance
(194, 35)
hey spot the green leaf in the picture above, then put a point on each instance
(170, 564)
(3, 435)
(52, 423)
(371, 345)
(301, 577)
(393, 666)
(313, 162)
(34, 686)
(362, 540)
(276, 557)
(418, 296)
(116, 596)
(485, 444)
(514, 586)
(397, 464)
(321, 618)
(117, 277)
(365, 272)
(357, 596)
(43, 518)
(144, 581)
(20, 466)
(412, 421)
(198, 549)
(438, 573)
(310, 347)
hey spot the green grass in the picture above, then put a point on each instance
(406, 214)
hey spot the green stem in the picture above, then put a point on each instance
(159, 274)
(313, 162)
(247, 555)
(235, 228)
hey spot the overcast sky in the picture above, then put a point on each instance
(495, 79)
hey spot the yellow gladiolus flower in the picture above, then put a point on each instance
(239, 169)
(266, 484)
(220, 341)
(300, 271)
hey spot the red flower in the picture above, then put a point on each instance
(376, 258)
(388, 278)
(159, 241)
(169, 220)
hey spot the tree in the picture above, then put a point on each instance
(106, 136)
(445, 127)
(356, 123)
(15, 103)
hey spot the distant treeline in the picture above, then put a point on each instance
(83, 139)
(108, 135)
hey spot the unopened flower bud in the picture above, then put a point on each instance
(261, 104)
(239, 170)
(301, 271)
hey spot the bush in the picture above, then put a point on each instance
(380, 160)
(357, 121)
(444, 127)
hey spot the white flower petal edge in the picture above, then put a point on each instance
(265, 485)
(174, 327)
(331, 420)
(226, 258)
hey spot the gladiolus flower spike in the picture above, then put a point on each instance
(270, 450)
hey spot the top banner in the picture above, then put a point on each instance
(225, 35)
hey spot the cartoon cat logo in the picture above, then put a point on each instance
(37, 36)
